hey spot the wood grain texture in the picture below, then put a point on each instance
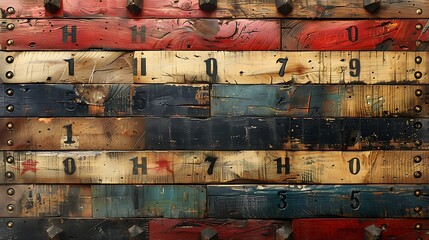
(52, 67)
(225, 9)
(353, 229)
(200, 167)
(310, 201)
(74, 228)
(231, 229)
(238, 133)
(170, 201)
(319, 101)
(384, 35)
(56, 100)
(47, 201)
(265, 67)
(143, 34)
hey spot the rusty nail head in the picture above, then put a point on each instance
(10, 26)
(418, 108)
(417, 209)
(10, 108)
(418, 59)
(10, 10)
(419, 26)
(9, 59)
(417, 193)
(10, 191)
(9, 74)
(418, 125)
(417, 159)
(419, 92)
(10, 207)
(9, 175)
(9, 92)
(10, 142)
(418, 226)
(418, 142)
(9, 125)
(10, 224)
(9, 42)
(418, 74)
(418, 174)
(419, 11)
(10, 159)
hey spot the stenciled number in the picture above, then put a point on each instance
(69, 166)
(71, 65)
(353, 33)
(211, 68)
(283, 61)
(354, 65)
(282, 195)
(142, 66)
(69, 132)
(355, 201)
(354, 166)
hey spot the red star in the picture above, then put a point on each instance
(29, 165)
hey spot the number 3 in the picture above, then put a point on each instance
(282, 195)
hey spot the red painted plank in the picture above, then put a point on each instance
(354, 229)
(143, 34)
(356, 35)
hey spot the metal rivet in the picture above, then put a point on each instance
(52, 5)
(418, 226)
(284, 6)
(9, 125)
(207, 5)
(418, 125)
(418, 108)
(418, 174)
(135, 6)
(9, 42)
(417, 209)
(10, 224)
(10, 207)
(419, 26)
(9, 74)
(418, 142)
(10, 108)
(10, 59)
(10, 191)
(372, 5)
(9, 175)
(419, 92)
(419, 239)
(10, 26)
(417, 159)
(418, 59)
(418, 75)
(10, 10)
(417, 193)
(383, 227)
(9, 92)
(10, 159)
(418, 43)
(10, 142)
(419, 11)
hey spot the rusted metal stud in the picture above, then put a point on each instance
(10, 26)
(10, 10)
(419, 26)
(372, 232)
(418, 226)
(10, 207)
(418, 59)
(417, 159)
(9, 74)
(9, 125)
(418, 75)
(9, 175)
(417, 209)
(10, 159)
(10, 191)
(10, 142)
(418, 174)
(10, 59)
(52, 6)
(284, 6)
(9, 92)
(372, 5)
(135, 231)
(418, 142)
(54, 231)
(417, 193)
(209, 234)
(10, 224)
(418, 125)
(418, 108)
(419, 11)
(9, 42)
(418, 43)
(135, 6)
(208, 5)
(418, 92)
(10, 108)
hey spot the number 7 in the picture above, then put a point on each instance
(283, 67)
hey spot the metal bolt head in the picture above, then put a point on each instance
(418, 226)
(9, 42)
(10, 108)
(10, 224)
(284, 6)
(417, 209)
(135, 6)
(417, 193)
(418, 108)
(372, 5)
(418, 75)
(10, 10)
(418, 59)
(9, 92)
(418, 142)
(417, 159)
(418, 43)
(10, 59)
(9, 175)
(10, 159)
(419, 11)
(9, 74)
(419, 26)
(10, 191)
(418, 174)
(208, 5)
(418, 125)
(10, 207)
(10, 142)
(418, 92)
(52, 6)
(9, 125)
(10, 26)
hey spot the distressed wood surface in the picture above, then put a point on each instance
(74, 228)
(143, 34)
(319, 101)
(225, 9)
(170, 201)
(46, 201)
(354, 229)
(219, 133)
(198, 167)
(310, 201)
(276, 67)
(67, 67)
(231, 229)
(384, 35)
(53, 100)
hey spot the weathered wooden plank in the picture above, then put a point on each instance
(52, 100)
(143, 34)
(45, 201)
(353, 229)
(275, 67)
(67, 67)
(74, 228)
(309, 201)
(392, 34)
(320, 101)
(192, 229)
(170, 201)
(219, 133)
(225, 9)
(199, 167)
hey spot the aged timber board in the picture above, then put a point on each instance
(219, 133)
(52, 100)
(309, 201)
(45, 201)
(385, 35)
(276, 67)
(198, 167)
(225, 9)
(320, 101)
(354, 229)
(232, 229)
(74, 228)
(169, 201)
(140, 34)
(228, 67)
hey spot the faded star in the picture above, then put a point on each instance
(29, 165)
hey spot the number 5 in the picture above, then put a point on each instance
(355, 201)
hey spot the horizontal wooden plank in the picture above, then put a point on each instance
(200, 167)
(309, 201)
(219, 133)
(45, 201)
(74, 228)
(225, 9)
(392, 34)
(141, 34)
(320, 101)
(52, 100)
(276, 67)
(194, 229)
(354, 229)
(171, 201)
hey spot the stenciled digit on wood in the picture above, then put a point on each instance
(380, 35)
(144, 34)
(225, 9)
(198, 167)
(217, 133)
